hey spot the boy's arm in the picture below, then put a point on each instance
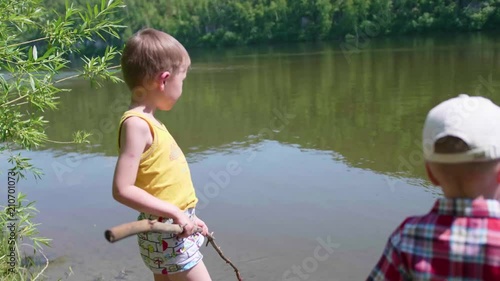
(133, 139)
(390, 266)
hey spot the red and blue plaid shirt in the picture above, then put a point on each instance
(458, 240)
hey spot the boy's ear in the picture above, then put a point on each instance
(163, 77)
(430, 174)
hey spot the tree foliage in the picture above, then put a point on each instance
(31, 69)
(36, 48)
(230, 22)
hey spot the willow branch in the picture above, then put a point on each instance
(55, 82)
(16, 99)
(80, 74)
(26, 42)
(21, 103)
(67, 78)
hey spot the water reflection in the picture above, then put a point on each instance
(320, 139)
(367, 105)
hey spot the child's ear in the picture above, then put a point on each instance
(163, 77)
(430, 174)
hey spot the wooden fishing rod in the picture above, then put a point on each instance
(125, 230)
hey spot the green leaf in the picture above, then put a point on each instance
(89, 9)
(47, 53)
(32, 83)
(35, 53)
(30, 53)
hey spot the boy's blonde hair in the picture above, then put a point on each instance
(452, 145)
(150, 52)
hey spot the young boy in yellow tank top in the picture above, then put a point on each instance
(152, 175)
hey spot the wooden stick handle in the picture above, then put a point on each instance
(125, 230)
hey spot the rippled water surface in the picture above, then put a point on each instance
(289, 148)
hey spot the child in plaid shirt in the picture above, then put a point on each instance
(459, 239)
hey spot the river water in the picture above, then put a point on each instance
(305, 157)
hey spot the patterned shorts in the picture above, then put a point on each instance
(163, 253)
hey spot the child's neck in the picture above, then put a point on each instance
(141, 101)
(471, 192)
(148, 110)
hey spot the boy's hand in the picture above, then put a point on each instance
(187, 225)
(201, 225)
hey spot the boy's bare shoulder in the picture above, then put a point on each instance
(136, 125)
(135, 132)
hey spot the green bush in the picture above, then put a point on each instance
(14, 265)
(230, 22)
(35, 46)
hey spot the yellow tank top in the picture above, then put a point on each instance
(163, 170)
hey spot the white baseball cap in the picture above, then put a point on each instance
(475, 120)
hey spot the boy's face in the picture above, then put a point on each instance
(170, 89)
